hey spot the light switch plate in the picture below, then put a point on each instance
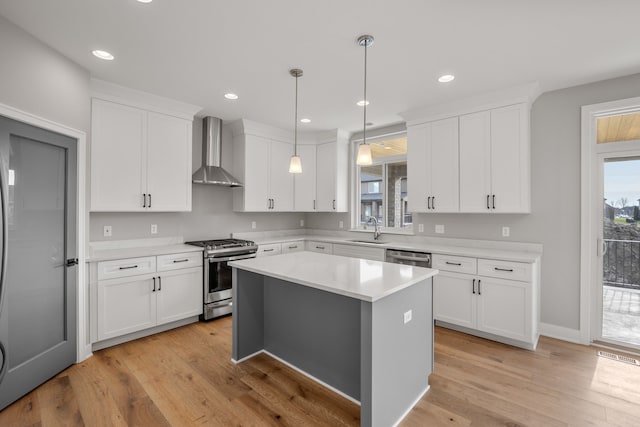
(107, 231)
(302, 223)
(440, 228)
(341, 224)
(506, 231)
(154, 228)
(253, 225)
(420, 228)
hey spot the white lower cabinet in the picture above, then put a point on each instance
(137, 301)
(296, 246)
(323, 247)
(125, 305)
(505, 309)
(270, 249)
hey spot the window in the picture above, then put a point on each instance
(382, 186)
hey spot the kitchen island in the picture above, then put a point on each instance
(363, 328)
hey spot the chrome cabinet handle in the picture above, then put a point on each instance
(144, 200)
(268, 250)
(293, 247)
(453, 263)
(494, 201)
(433, 202)
(154, 285)
(128, 268)
(488, 202)
(334, 205)
(479, 293)
(175, 261)
(473, 286)
(429, 202)
(320, 247)
(508, 270)
(159, 283)
(149, 199)
(314, 205)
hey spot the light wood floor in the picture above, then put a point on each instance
(184, 377)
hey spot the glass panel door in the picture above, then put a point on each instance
(621, 251)
(38, 305)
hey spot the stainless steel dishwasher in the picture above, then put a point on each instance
(417, 258)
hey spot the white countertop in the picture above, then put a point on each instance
(112, 253)
(434, 248)
(357, 278)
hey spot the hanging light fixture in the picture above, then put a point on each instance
(364, 150)
(295, 166)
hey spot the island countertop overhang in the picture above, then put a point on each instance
(362, 279)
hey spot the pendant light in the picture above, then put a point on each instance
(295, 166)
(364, 150)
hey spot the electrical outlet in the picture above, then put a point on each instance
(253, 225)
(420, 228)
(440, 229)
(506, 231)
(107, 231)
(302, 223)
(407, 316)
(154, 228)
(341, 224)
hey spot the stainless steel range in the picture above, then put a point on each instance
(217, 274)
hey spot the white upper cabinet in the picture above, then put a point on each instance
(432, 166)
(261, 162)
(262, 165)
(332, 175)
(304, 199)
(140, 151)
(494, 160)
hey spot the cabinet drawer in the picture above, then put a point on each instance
(292, 247)
(505, 269)
(354, 251)
(319, 247)
(271, 249)
(126, 267)
(457, 264)
(179, 261)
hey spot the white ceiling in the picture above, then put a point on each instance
(197, 50)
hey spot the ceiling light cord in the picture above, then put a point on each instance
(364, 120)
(295, 134)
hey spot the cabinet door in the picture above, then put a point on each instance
(418, 173)
(126, 305)
(504, 307)
(510, 159)
(475, 162)
(256, 174)
(304, 199)
(454, 300)
(443, 165)
(179, 294)
(168, 162)
(281, 181)
(296, 246)
(270, 249)
(118, 169)
(326, 185)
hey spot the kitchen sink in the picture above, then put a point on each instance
(368, 241)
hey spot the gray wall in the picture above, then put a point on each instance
(555, 217)
(212, 213)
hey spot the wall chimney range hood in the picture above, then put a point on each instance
(211, 172)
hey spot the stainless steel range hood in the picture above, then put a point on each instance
(211, 172)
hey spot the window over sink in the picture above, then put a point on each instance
(381, 188)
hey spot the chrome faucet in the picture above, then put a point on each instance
(376, 227)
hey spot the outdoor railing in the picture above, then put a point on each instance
(621, 263)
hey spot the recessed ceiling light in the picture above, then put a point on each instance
(362, 103)
(103, 54)
(446, 78)
(305, 120)
(145, 1)
(231, 96)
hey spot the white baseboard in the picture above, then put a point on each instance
(561, 333)
(415, 402)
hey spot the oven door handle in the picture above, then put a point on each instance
(213, 260)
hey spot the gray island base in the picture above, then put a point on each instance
(362, 349)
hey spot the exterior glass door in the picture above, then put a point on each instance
(621, 251)
(38, 288)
